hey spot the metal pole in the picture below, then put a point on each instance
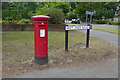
(86, 18)
(87, 42)
(91, 18)
(66, 40)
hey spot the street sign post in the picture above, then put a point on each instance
(88, 34)
(89, 13)
(88, 27)
(66, 39)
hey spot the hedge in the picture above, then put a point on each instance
(114, 22)
(100, 22)
(8, 14)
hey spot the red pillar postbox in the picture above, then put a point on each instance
(41, 38)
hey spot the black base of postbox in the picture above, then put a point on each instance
(41, 60)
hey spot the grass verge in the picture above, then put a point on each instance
(18, 51)
(110, 30)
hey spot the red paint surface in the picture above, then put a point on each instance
(41, 43)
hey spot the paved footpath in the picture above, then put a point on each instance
(112, 38)
(107, 70)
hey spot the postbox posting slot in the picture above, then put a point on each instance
(42, 25)
(42, 32)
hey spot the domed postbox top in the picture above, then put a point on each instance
(41, 18)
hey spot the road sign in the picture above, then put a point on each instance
(77, 27)
(88, 12)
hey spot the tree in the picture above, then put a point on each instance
(81, 9)
(109, 14)
(62, 5)
(65, 6)
(21, 9)
(99, 14)
(5, 5)
(56, 15)
(71, 15)
(101, 9)
(73, 6)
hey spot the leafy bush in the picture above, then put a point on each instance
(31, 22)
(99, 13)
(9, 22)
(20, 22)
(56, 15)
(100, 21)
(24, 21)
(114, 22)
(5, 22)
(107, 14)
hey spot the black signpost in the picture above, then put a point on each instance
(88, 27)
(87, 39)
(66, 40)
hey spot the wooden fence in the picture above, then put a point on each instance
(30, 27)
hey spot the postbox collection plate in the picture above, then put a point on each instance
(42, 32)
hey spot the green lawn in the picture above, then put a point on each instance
(18, 51)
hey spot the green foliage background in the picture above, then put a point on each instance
(70, 10)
